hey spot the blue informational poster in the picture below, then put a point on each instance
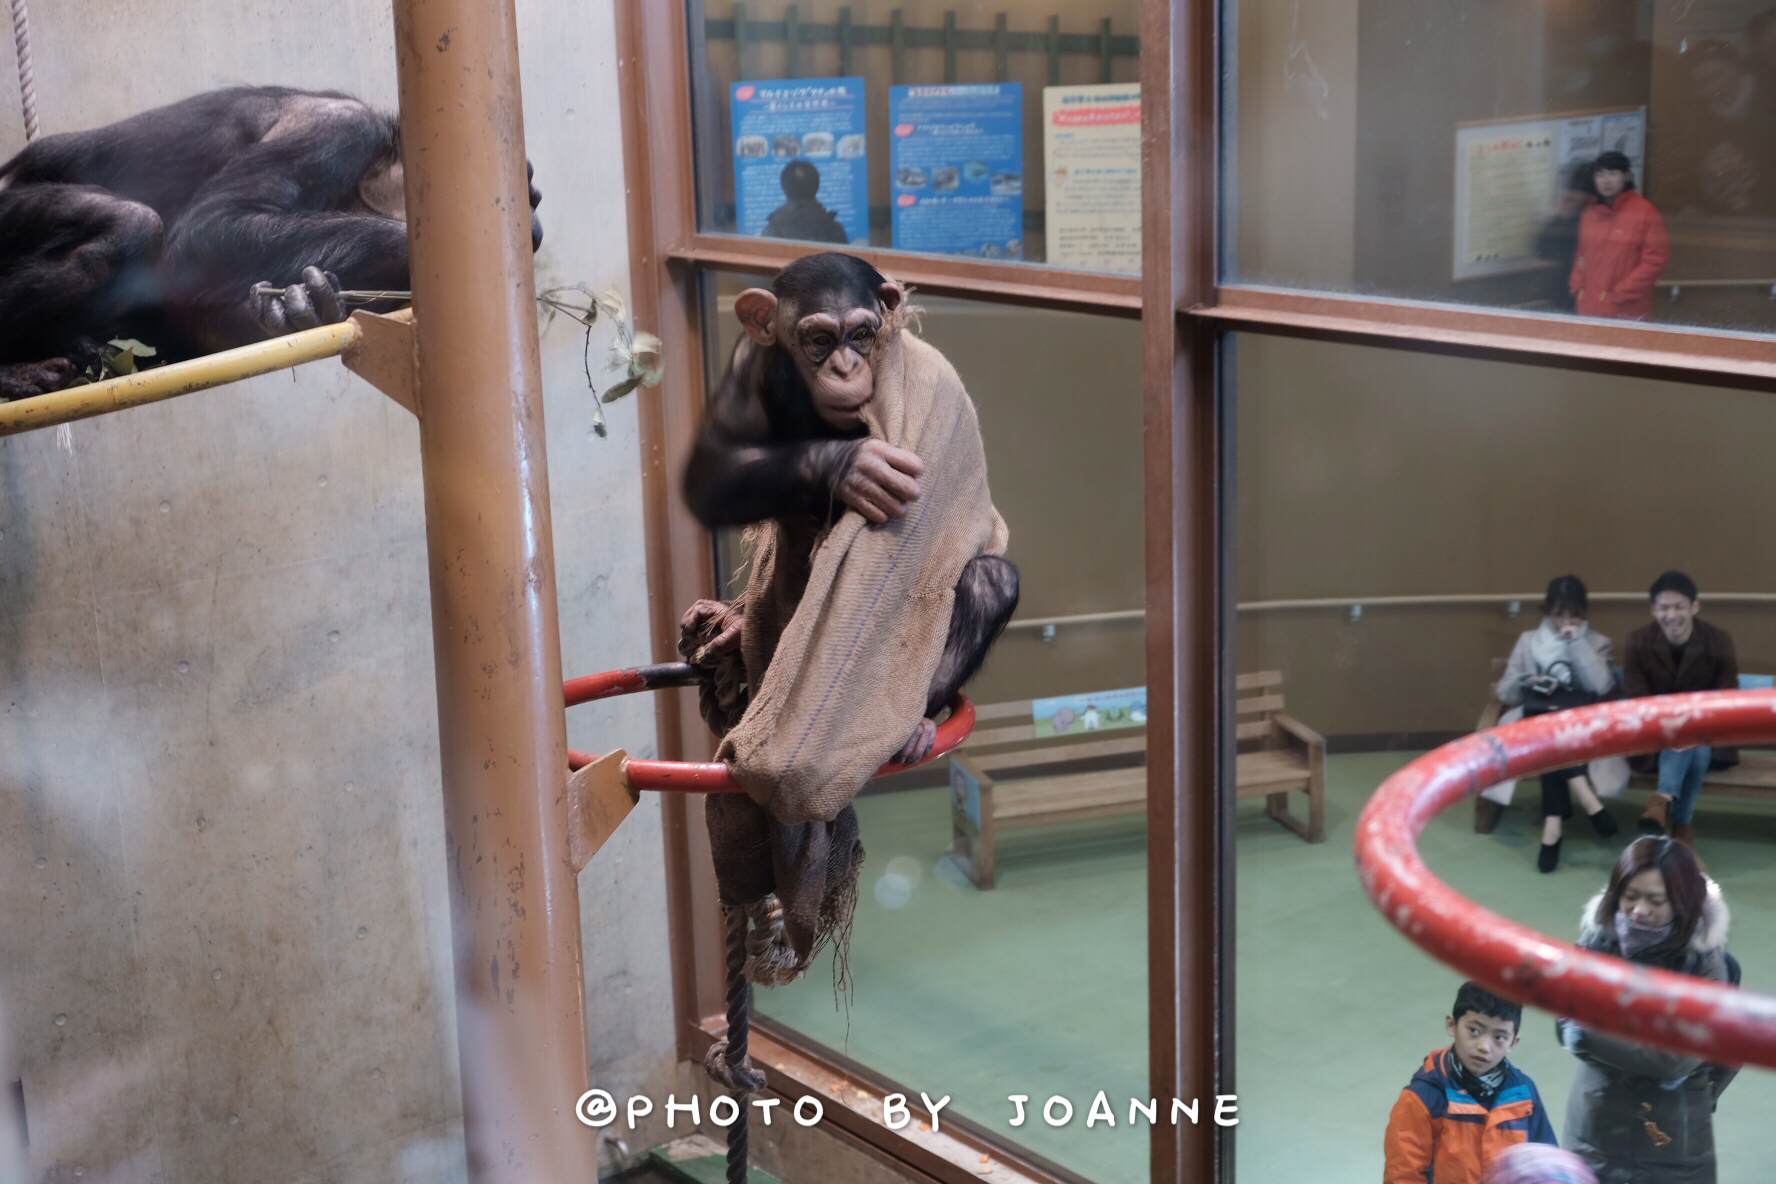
(957, 158)
(800, 167)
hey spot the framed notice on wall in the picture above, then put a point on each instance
(1508, 178)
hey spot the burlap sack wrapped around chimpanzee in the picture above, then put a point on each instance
(838, 655)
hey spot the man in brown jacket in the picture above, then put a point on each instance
(1678, 652)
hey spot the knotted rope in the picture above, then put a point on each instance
(726, 1061)
(21, 40)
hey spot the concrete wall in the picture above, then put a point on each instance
(224, 950)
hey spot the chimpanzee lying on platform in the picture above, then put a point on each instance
(160, 227)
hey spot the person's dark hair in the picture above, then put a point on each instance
(1476, 998)
(1673, 581)
(1619, 162)
(1566, 592)
(1578, 178)
(800, 180)
(1685, 886)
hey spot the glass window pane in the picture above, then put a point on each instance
(1006, 134)
(983, 992)
(1365, 474)
(1601, 158)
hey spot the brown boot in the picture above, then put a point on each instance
(1486, 815)
(1653, 821)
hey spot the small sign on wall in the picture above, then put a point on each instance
(1090, 712)
(1091, 147)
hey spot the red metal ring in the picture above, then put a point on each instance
(1672, 1011)
(713, 777)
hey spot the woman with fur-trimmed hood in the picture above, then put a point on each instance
(1638, 1114)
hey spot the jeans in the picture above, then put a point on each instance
(1680, 779)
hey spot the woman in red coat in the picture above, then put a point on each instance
(1622, 247)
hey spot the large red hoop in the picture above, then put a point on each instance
(713, 777)
(1670, 1010)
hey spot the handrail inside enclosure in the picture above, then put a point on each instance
(1512, 602)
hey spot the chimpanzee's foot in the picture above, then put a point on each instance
(919, 744)
(21, 380)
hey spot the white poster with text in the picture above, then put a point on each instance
(1091, 146)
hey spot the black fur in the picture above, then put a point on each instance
(986, 596)
(763, 451)
(159, 225)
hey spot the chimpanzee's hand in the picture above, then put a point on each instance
(21, 380)
(536, 197)
(731, 617)
(307, 305)
(881, 480)
(918, 745)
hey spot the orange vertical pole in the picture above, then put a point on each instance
(521, 1026)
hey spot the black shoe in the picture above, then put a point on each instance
(1604, 823)
(1549, 859)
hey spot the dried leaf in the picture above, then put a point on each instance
(646, 362)
(612, 303)
(563, 300)
(621, 389)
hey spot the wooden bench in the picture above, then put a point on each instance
(1753, 777)
(1003, 777)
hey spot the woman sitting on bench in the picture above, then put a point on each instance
(1562, 663)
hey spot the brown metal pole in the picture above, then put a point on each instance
(520, 1011)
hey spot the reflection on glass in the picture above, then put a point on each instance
(1610, 159)
(1426, 544)
(999, 946)
(1009, 136)
(802, 216)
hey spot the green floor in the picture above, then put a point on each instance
(1039, 986)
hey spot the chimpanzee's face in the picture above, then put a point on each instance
(830, 337)
(832, 350)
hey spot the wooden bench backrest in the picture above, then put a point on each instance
(1260, 695)
(1257, 695)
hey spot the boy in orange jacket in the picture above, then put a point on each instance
(1467, 1103)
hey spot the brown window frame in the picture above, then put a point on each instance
(667, 254)
(1187, 320)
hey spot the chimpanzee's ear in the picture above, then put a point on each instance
(890, 294)
(757, 310)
